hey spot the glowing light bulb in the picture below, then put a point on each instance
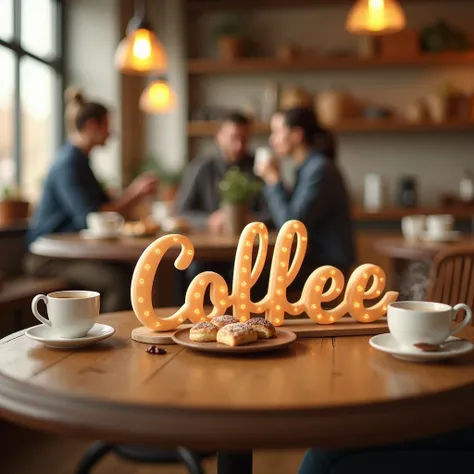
(190, 252)
(158, 251)
(242, 306)
(356, 305)
(196, 311)
(197, 295)
(318, 288)
(141, 300)
(147, 266)
(142, 281)
(175, 239)
(147, 313)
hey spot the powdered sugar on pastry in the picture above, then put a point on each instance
(221, 321)
(263, 327)
(203, 332)
(236, 334)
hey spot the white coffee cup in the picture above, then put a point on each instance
(162, 210)
(439, 225)
(415, 322)
(263, 155)
(101, 223)
(71, 313)
(413, 227)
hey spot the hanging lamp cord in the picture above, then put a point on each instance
(140, 8)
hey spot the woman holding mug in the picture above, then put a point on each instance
(71, 191)
(319, 198)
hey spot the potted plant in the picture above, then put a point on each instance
(236, 190)
(12, 207)
(229, 33)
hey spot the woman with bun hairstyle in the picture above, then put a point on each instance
(319, 198)
(71, 191)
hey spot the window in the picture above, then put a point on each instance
(31, 86)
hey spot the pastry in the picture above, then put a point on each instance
(203, 332)
(236, 334)
(263, 327)
(221, 321)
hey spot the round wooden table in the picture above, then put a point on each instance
(331, 393)
(207, 246)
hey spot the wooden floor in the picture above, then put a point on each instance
(27, 452)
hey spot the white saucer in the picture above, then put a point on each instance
(49, 338)
(450, 236)
(454, 347)
(88, 234)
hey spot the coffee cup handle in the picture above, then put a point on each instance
(34, 309)
(465, 322)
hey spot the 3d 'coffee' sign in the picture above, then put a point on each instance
(325, 284)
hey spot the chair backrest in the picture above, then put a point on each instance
(452, 276)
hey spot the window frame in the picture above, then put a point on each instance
(57, 64)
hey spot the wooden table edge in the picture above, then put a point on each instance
(198, 428)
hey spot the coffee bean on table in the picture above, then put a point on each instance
(155, 350)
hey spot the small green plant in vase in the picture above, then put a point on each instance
(230, 36)
(237, 189)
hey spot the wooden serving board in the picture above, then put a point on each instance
(346, 326)
(302, 327)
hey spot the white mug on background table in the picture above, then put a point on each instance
(162, 210)
(418, 322)
(71, 314)
(104, 223)
(413, 227)
(439, 225)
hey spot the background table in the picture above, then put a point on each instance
(207, 246)
(323, 392)
(403, 253)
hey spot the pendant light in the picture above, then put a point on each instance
(140, 52)
(372, 17)
(158, 98)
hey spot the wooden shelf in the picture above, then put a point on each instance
(208, 129)
(316, 63)
(202, 6)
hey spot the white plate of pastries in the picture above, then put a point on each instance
(225, 334)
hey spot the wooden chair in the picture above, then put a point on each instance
(452, 276)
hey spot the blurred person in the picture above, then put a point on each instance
(319, 197)
(70, 192)
(199, 194)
